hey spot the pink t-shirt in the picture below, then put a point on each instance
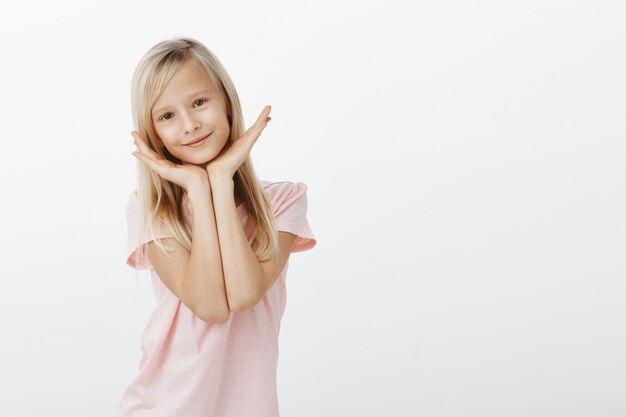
(191, 368)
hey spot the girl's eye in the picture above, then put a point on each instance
(167, 118)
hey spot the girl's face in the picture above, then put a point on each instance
(189, 108)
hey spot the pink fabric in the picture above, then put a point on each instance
(190, 368)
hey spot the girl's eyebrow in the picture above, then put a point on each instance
(189, 96)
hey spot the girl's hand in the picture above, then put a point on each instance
(183, 175)
(228, 161)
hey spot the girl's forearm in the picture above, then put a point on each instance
(242, 270)
(204, 271)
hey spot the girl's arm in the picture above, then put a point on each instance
(246, 278)
(196, 277)
(204, 268)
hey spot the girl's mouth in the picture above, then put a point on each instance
(199, 142)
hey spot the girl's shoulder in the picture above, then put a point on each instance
(277, 185)
(275, 189)
(282, 194)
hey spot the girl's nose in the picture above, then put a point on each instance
(190, 124)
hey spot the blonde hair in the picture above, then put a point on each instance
(160, 201)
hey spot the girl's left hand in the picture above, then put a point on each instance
(228, 161)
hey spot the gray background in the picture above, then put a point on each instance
(465, 164)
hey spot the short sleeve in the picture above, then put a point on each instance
(289, 201)
(135, 255)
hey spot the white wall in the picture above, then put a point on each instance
(465, 164)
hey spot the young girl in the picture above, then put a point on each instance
(216, 239)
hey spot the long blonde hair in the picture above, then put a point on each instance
(160, 201)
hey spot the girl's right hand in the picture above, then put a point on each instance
(183, 175)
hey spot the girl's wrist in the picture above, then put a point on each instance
(219, 177)
(198, 185)
(221, 182)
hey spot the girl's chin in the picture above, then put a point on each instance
(200, 163)
(196, 161)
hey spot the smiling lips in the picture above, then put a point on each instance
(198, 141)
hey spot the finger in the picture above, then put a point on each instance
(152, 159)
(143, 146)
(255, 130)
(156, 166)
(140, 143)
(143, 158)
(264, 114)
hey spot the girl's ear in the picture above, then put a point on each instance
(171, 157)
